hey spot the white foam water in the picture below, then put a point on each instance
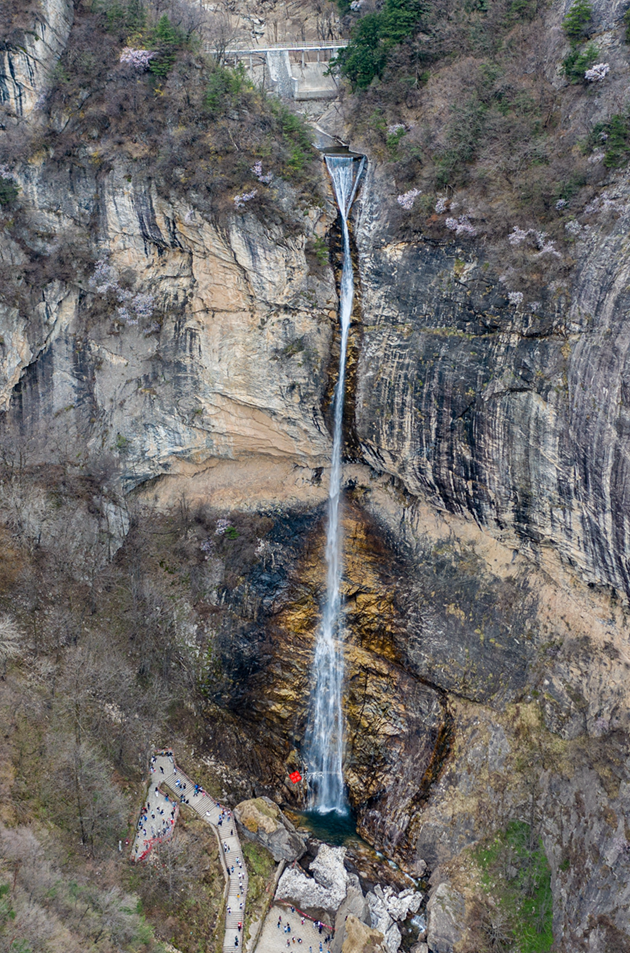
(325, 733)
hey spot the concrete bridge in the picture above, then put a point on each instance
(292, 72)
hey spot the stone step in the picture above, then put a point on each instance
(206, 807)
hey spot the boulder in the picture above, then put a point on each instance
(355, 906)
(325, 891)
(360, 938)
(445, 909)
(387, 908)
(262, 820)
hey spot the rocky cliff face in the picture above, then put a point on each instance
(231, 343)
(30, 54)
(512, 416)
(486, 530)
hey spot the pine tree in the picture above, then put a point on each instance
(136, 15)
(577, 20)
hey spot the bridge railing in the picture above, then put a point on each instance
(261, 52)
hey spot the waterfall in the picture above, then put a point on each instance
(325, 734)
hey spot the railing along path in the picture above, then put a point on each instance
(262, 51)
(165, 771)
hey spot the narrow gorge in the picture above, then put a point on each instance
(314, 442)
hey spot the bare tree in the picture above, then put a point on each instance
(221, 34)
(11, 643)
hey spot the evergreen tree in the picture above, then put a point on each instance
(577, 20)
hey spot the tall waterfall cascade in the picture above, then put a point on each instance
(325, 733)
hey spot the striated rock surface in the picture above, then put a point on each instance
(230, 347)
(514, 417)
(29, 55)
(263, 821)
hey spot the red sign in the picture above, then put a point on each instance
(295, 776)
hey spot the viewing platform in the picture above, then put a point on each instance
(297, 72)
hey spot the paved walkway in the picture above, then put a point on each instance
(157, 822)
(304, 936)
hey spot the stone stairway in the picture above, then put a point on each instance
(165, 771)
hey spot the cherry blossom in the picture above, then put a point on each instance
(240, 200)
(139, 59)
(461, 226)
(597, 72)
(407, 200)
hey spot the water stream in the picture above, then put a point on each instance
(325, 733)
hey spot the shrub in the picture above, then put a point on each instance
(523, 9)
(578, 61)
(464, 134)
(296, 136)
(167, 40)
(395, 133)
(130, 16)
(599, 72)
(515, 872)
(577, 20)
(138, 59)
(225, 89)
(374, 36)
(618, 142)
(626, 21)
(9, 191)
(320, 250)
(570, 187)
(614, 136)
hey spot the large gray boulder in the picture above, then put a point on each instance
(355, 906)
(388, 908)
(360, 938)
(325, 891)
(445, 908)
(262, 820)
